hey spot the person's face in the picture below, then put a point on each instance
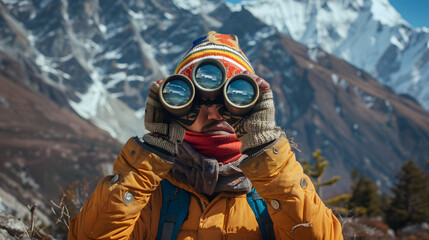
(211, 122)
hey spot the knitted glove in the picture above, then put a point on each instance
(258, 127)
(165, 131)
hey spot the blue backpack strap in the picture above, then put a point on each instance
(259, 208)
(174, 210)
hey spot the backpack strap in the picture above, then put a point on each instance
(259, 208)
(174, 210)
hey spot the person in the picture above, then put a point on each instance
(215, 160)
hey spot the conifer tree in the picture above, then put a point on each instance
(316, 172)
(365, 199)
(410, 200)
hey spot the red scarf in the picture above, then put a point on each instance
(224, 148)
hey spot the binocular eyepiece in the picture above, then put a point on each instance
(178, 93)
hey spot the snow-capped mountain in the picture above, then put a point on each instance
(370, 34)
(100, 52)
(67, 51)
(103, 55)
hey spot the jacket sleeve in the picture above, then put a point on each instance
(115, 205)
(293, 204)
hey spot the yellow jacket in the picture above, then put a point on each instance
(128, 207)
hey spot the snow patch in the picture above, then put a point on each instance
(415, 75)
(2, 205)
(115, 79)
(367, 99)
(170, 48)
(359, 73)
(15, 225)
(190, 5)
(385, 13)
(103, 109)
(367, 161)
(209, 6)
(10, 204)
(339, 81)
(106, 168)
(27, 180)
(48, 66)
(102, 28)
(287, 16)
(148, 51)
(45, 3)
(115, 54)
(65, 58)
(261, 35)
(317, 131)
(338, 109)
(136, 15)
(334, 78)
(121, 65)
(388, 105)
(87, 107)
(9, 2)
(4, 102)
(394, 40)
(140, 113)
(168, 15)
(314, 53)
(234, 7)
(315, 106)
(388, 114)
(135, 78)
(373, 41)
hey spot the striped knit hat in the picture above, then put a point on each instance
(223, 47)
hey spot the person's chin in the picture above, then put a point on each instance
(219, 132)
(218, 128)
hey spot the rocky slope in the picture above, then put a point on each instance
(44, 147)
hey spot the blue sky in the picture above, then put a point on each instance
(416, 12)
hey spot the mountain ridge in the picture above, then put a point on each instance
(323, 102)
(44, 147)
(388, 47)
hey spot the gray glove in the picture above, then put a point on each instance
(258, 127)
(165, 131)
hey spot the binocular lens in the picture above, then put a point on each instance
(240, 92)
(176, 92)
(209, 76)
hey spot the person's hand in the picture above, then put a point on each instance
(257, 128)
(165, 132)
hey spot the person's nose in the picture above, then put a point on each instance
(213, 114)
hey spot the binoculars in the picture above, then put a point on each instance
(208, 86)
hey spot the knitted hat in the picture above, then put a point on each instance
(223, 47)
